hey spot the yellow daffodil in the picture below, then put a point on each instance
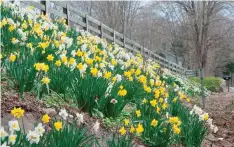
(89, 61)
(139, 128)
(176, 129)
(45, 80)
(94, 71)
(64, 59)
(142, 79)
(154, 123)
(164, 106)
(107, 75)
(138, 113)
(206, 116)
(126, 121)
(58, 125)
(41, 66)
(156, 93)
(17, 112)
(158, 109)
(122, 131)
(132, 129)
(122, 92)
(79, 53)
(174, 120)
(188, 100)
(11, 27)
(50, 57)
(45, 118)
(144, 101)
(58, 63)
(161, 100)
(138, 72)
(175, 99)
(12, 58)
(153, 103)
(72, 61)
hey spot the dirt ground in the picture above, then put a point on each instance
(220, 107)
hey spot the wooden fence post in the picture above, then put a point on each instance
(101, 29)
(47, 7)
(87, 22)
(68, 14)
(124, 41)
(113, 35)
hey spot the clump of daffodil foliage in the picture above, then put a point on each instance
(96, 76)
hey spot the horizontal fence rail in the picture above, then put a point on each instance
(75, 18)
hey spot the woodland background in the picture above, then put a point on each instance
(201, 34)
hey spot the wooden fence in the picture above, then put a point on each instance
(76, 18)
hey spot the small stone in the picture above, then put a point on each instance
(211, 138)
(226, 143)
(214, 145)
(232, 116)
(206, 143)
(224, 135)
(50, 111)
(230, 132)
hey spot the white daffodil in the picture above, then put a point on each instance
(12, 139)
(3, 133)
(80, 118)
(118, 78)
(33, 137)
(13, 125)
(40, 129)
(63, 113)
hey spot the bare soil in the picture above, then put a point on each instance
(220, 107)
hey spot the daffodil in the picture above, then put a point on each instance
(45, 118)
(107, 75)
(3, 133)
(12, 58)
(94, 71)
(126, 121)
(12, 139)
(33, 137)
(153, 103)
(144, 101)
(138, 113)
(132, 129)
(58, 125)
(45, 80)
(156, 93)
(139, 128)
(58, 63)
(50, 57)
(17, 112)
(122, 131)
(79, 53)
(14, 125)
(122, 92)
(176, 129)
(154, 123)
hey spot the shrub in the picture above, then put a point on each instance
(211, 83)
